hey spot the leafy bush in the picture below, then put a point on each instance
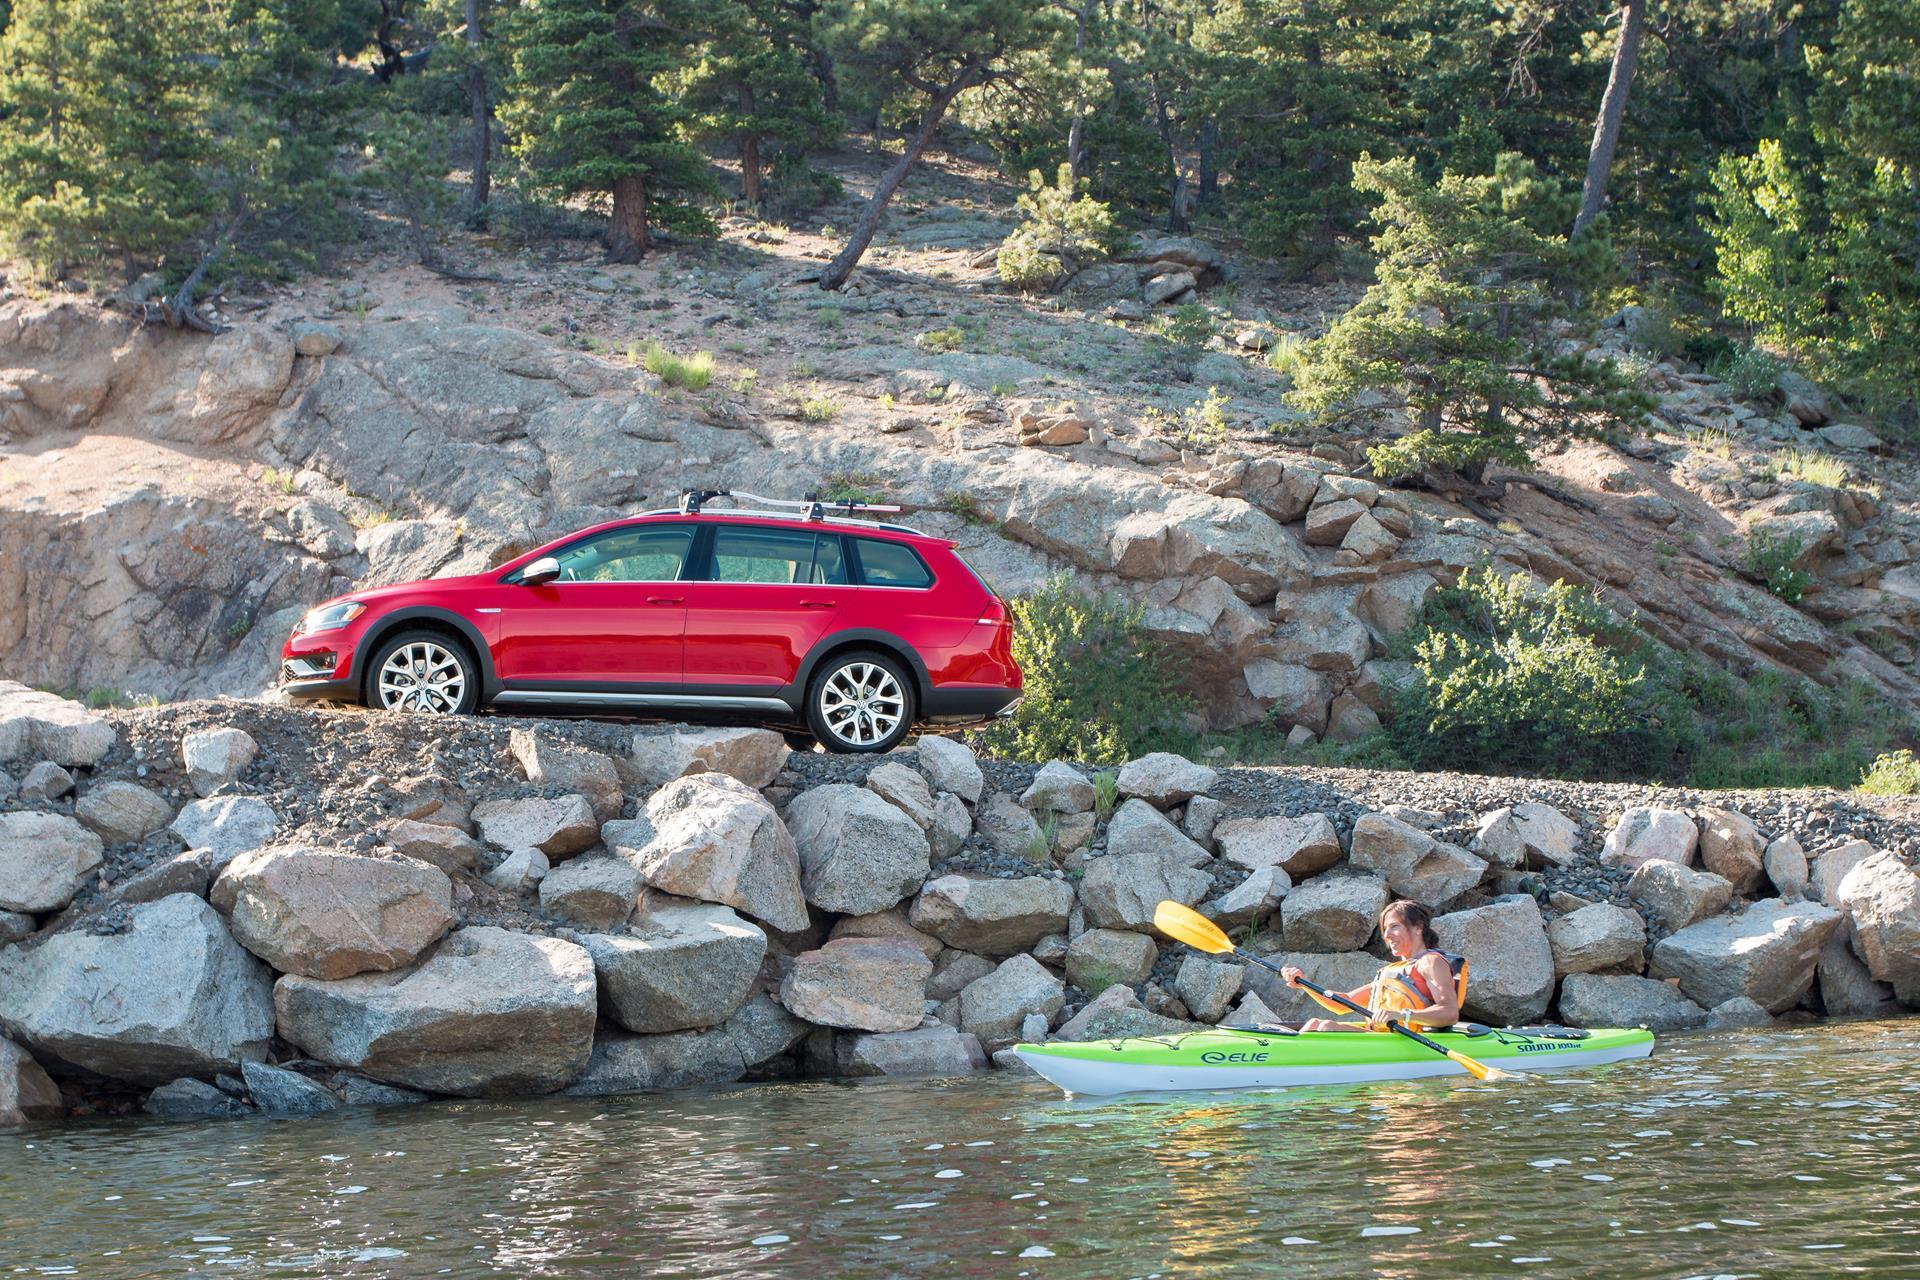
(793, 187)
(693, 372)
(1096, 689)
(1187, 326)
(947, 339)
(1205, 420)
(1752, 374)
(819, 408)
(1894, 773)
(1770, 559)
(1062, 231)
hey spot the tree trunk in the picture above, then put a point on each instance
(1613, 111)
(749, 151)
(843, 264)
(627, 235)
(1177, 196)
(480, 191)
(1076, 140)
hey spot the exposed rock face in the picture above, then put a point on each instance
(1766, 953)
(45, 726)
(924, 1051)
(173, 995)
(1413, 863)
(992, 917)
(862, 984)
(558, 827)
(277, 1091)
(891, 923)
(680, 965)
(858, 853)
(1099, 958)
(45, 858)
(1206, 987)
(1255, 898)
(993, 1007)
(1137, 828)
(1120, 891)
(26, 1092)
(951, 766)
(1528, 835)
(489, 1014)
(215, 757)
(1058, 788)
(1510, 963)
(227, 826)
(1831, 866)
(122, 812)
(1733, 848)
(1332, 913)
(559, 764)
(446, 847)
(326, 914)
(1115, 1014)
(759, 1030)
(752, 756)
(1602, 938)
(1847, 989)
(1786, 867)
(1301, 847)
(906, 790)
(1644, 833)
(1676, 895)
(712, 837)
(1164, 779)
(1881, 898)
(1593, 1000)
(594, 892)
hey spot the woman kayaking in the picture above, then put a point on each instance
(1423, 987)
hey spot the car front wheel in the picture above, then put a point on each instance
(423, 672)
(860, 702)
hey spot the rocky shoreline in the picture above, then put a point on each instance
(233, 907)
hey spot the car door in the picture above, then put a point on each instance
(613, 619)
(768, 594)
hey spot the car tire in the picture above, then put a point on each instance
(423, 672)
(860, 703)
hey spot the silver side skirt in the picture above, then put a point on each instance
(542, 697)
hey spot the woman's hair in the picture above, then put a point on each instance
(1414, 916)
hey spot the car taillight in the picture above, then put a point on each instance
(995, 614)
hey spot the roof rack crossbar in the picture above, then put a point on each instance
(813, 507)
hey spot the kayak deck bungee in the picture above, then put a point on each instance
(1231, 1058)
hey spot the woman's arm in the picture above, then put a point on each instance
(1445, 1009)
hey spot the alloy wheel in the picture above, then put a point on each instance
(422, 676)
(862, 703)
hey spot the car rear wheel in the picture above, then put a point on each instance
(860, 702)
(423, 672)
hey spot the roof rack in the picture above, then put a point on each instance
(812, 507)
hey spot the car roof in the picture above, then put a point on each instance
(841, 523)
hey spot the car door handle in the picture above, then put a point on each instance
(817, 604)
(666, 599)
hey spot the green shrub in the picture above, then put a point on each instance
(794, 187)
(1205, 420)
(852, 486)
(1106, 794)
(1770, 559)
(819, 408)
(1751, 374)
(1187, 326)
(1822, 469)
(1283, 357)
(693, 372)
(947, 339)
(1096, 688)
(1062, 230)
(1894, 773)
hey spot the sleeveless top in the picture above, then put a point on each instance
(1401, 986)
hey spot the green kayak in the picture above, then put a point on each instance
(1223, 1058)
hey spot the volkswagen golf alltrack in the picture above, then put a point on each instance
(855, 628)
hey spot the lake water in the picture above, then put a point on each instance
(1735, 1154)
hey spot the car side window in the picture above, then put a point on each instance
(645, 554)
(744, 553)
(891, 564)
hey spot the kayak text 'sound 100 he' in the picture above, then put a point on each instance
(1225, 1058)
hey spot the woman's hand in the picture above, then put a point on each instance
(1292, 973)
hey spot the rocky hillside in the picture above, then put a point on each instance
(169, 503)
(209, 908)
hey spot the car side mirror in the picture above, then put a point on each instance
(545, 569)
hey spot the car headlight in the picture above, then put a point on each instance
(327, 617)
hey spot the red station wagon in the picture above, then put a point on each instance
(855, 628)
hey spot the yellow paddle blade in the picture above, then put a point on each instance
(1184, 924)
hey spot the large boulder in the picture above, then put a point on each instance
(1164, 779)
(1301, 846)
(551, 763)
(171, 995)
(1332, 913)
(906, 790)
(922, 1052)
(1336, 971)
(1847, 988)
(1059, 788)
(1510, 963)
(1881, 898)
(597, 892)
(1115, 1014)
(446, 847)
(1733, 848)
(558, 826)
(326, 914)
(1413, 863)
(951, 766)
(215, 757)
(490, 1014)
(1120, 891)
(760, 1029)
(1528, 835)
(1207, 987)
(122, 812)
(1676, 896)
(45, 726)
(752, 756)
(1766, 953)
(1139, 828)
(26, 1092)
(713, 837)
(993, 1007)
(227, 826)
(1010, 830)
(1596, 1000)
(1601, 938)
(858, 853)
(861, 984)
(1255, 898)
(45, 858)
(992, 917)
(891, 923)
(1786, 866)
(1098, 958)
(1831, 866)
(679, 965)
(1646, 832)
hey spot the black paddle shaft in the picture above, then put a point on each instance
(1337, 998)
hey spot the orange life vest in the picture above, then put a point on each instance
(1401, 986)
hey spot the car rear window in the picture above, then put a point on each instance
(890, 564)
(752, 554)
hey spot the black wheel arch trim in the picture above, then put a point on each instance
(885, 641)
(389, 623)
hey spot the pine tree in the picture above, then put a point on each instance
(1457, 338)
(591, 115)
